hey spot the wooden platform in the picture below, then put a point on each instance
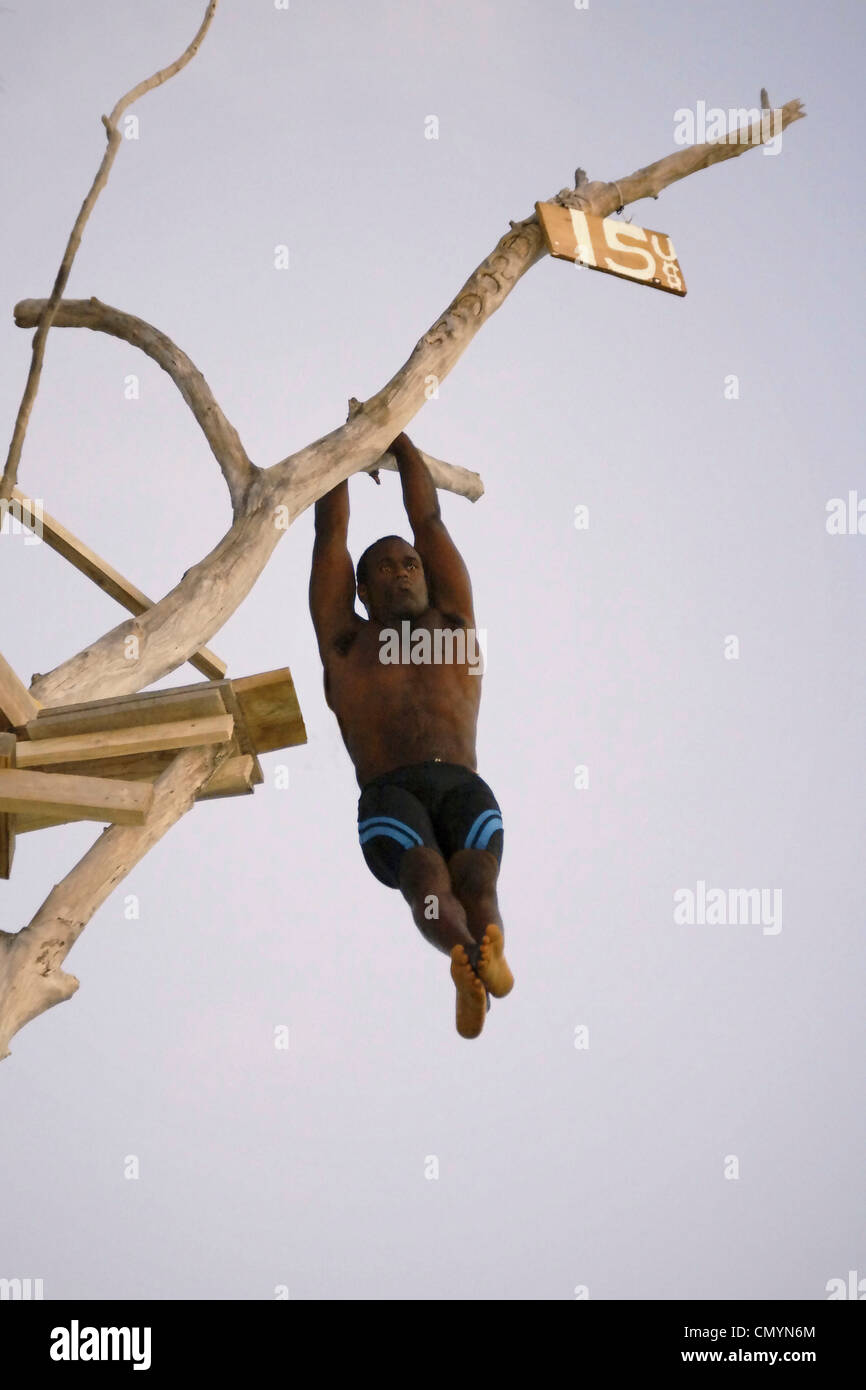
(88, 761)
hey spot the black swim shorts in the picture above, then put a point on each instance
(442, 805)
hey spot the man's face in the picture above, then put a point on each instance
(396, 586)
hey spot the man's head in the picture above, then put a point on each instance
(391, 580)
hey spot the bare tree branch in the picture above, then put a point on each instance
(448, 477)
(208, 594)
(10, 472)
(604, 198)
(31, 978)
(442, 345)
(383, 416)
(222, 436)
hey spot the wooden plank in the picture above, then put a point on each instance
(264, 706)
(201, 701)
(242, 741)
(108, 579)
(7, 822)
(75, 798)
(124, 743)
(16, 702)
(143, 767)
(615, 247)
(204, 699)
(270, 710)
(233, 778)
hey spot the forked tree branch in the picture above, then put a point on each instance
(37, 351)
(211, 591)
(221, 435)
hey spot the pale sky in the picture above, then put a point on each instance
(707, 1143)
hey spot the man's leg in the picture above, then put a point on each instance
(439, 915)
(401, 849)
(473, 875)
(426, 885)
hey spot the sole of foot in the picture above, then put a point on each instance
(471, 995)
(492, 965)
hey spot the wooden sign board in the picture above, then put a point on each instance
(617, 248)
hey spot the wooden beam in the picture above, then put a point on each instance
(7, 823)
(270, 710)
(75, 798)
(265, 708)
(206, 699)
(142, 767)
(16, 702)
(235, 777)
(201, 701)
(122, 743)
(102, 574)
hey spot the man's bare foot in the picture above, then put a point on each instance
(492, 965)
(472, 1000)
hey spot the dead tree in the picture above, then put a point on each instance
(265, 501)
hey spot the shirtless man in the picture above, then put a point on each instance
(427, 823)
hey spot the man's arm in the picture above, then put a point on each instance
(447, 576)
(332, 578)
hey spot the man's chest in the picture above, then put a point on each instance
(430, 654)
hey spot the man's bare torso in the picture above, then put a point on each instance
(394, 714)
